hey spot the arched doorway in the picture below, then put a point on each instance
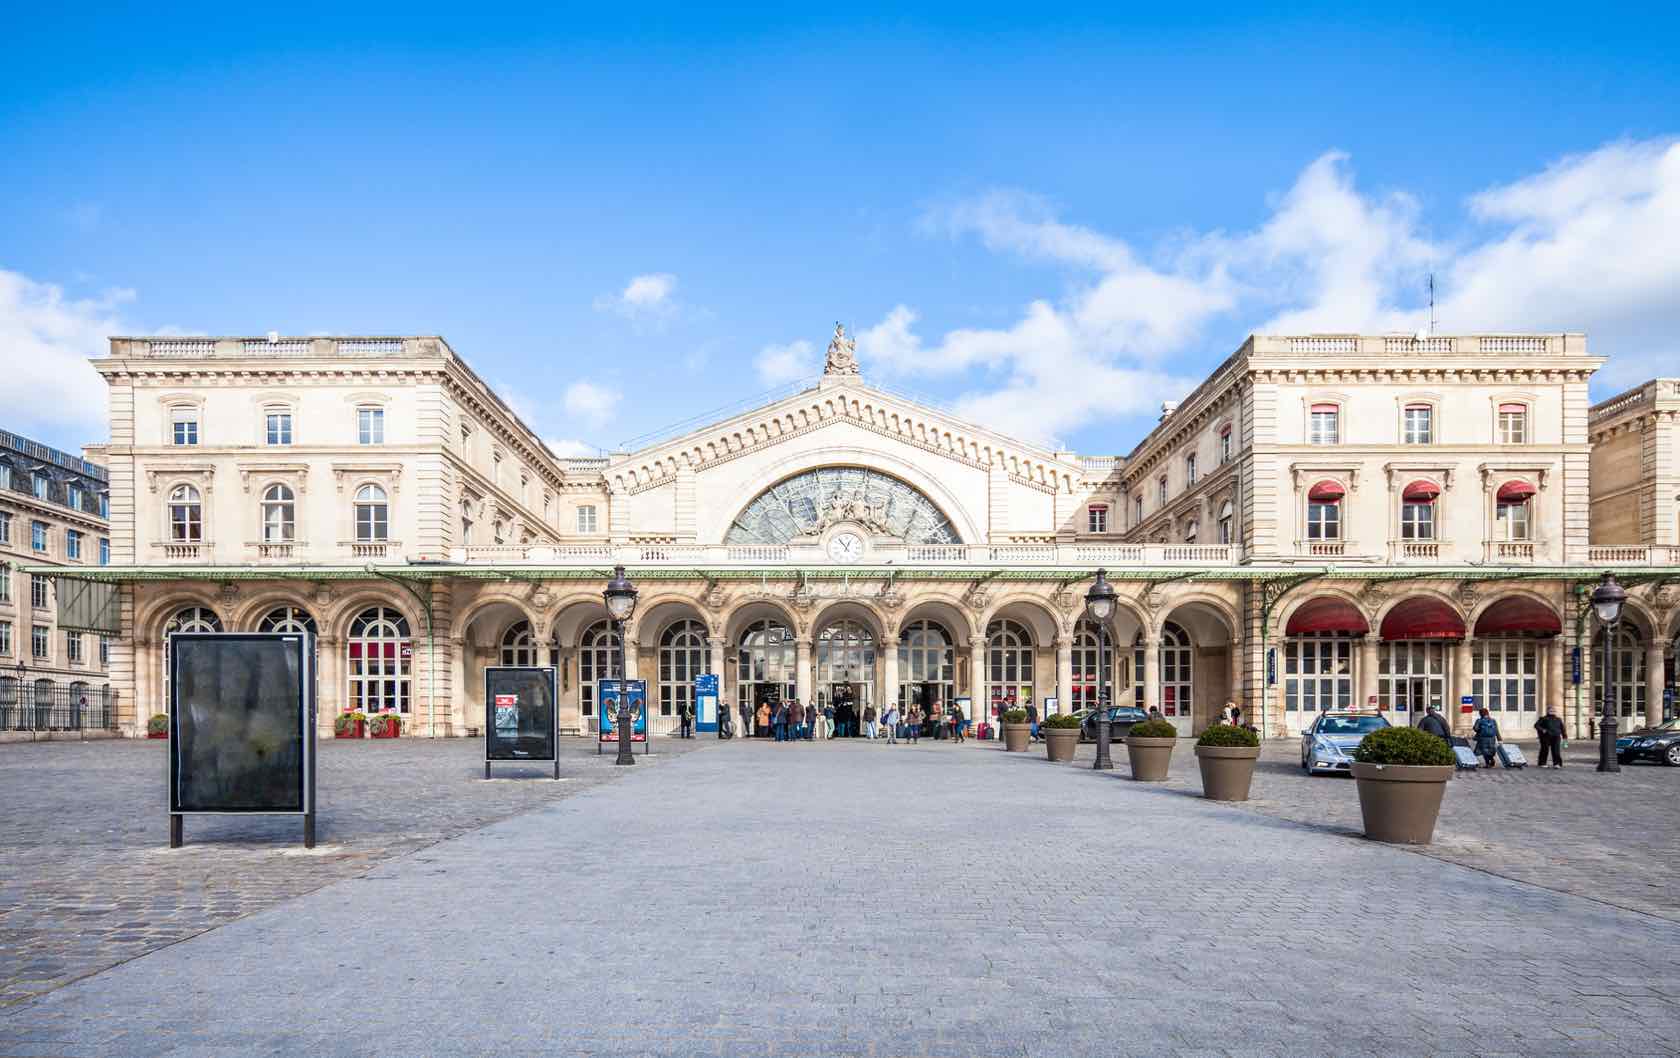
(1010, 664)
(926, 667)
(1413, 654)
(186, 619)
(1318, 649)
(598, 659)
(1627, 662)
(682, 657)
(845, 673)
(766, 670)
(1093, 655)
(379, 657)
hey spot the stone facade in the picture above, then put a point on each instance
(1636, 468)
(1327, 520)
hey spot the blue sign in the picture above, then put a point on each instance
(636, 691)
(1271, 666)
(706, 702)
(1575, 666)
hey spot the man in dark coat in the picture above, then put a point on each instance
(810, 721)
(1032, 718)
(1550, 729)
(1436, 726)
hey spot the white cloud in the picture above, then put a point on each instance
(590, 402)
(46, 339)
(780, 364)
(1587, 244)
(645, 299)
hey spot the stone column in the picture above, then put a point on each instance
(329, 683)
(1151, 672)
(981, 708)
(1461, 721)
(1235, 692)
(1551, 694)
(1064, 674)
(1654, 679)
(1367, 671)
(889, 671)
(802, 669)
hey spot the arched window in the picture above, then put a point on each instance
(597, 661)
(766, 655)
(1511, 511)
(1093, 655)
(1324, 511)
(926, 665)
(1009, 662)
(380, 658)
(845, 654)
(466, 522)
(287, 619)
(279, 515)
(1177, 661)
(682, 656)
(518, 647)
(372, 523)
(1627, 662)
(192, 619)
(1225, 522)
(1417, 510)
(186, 515)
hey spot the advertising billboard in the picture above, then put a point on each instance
(610, 692)
(522, 715)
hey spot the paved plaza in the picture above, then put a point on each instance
(834, 899)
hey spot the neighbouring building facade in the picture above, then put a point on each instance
(53, 516)
(1327, 521)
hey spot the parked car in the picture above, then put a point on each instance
(1328, 745)
(1660, 743)
(1120, 720)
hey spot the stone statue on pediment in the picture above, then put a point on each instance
(842, 355)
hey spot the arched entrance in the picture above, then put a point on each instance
(1413, 654)
(766, 670)
(1318, 649)
(845, 672)
(926, 666)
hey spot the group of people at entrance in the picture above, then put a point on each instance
(1487, 736)
(791, 721)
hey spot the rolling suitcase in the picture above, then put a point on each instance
(1464, 755)
(1512, 756)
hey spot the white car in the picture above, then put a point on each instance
(1328, 745)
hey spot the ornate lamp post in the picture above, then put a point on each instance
(1607, 600)
(17, 695)
(621, 603)
(1099, 607)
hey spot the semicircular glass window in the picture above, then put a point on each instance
(804, 506)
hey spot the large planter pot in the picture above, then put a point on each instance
(1016, 737)
(1227, 771)
(1060, 742)
(1400, 802)
(391, 731)
(356, 730)
(1150, 757)
(157, 734)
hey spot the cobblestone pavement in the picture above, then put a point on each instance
(853, 899)
(87, 879)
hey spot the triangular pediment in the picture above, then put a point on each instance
(835, 401)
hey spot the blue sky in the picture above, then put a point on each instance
(1050, 222)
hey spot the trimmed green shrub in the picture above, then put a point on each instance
(1403, 745)
(1153, 729)
(1060, 720)
(1014, 716)
(1226, 735)
(158, 724)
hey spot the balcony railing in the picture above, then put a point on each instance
(811, 554)
(1416, 550)
(1634, 554)
(1512, 550)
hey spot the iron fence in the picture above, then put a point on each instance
(53, 705)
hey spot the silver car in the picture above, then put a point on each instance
(1328, 745)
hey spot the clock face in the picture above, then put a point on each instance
(845, 547)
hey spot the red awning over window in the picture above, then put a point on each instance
(1326, 615)
(1518, 616)
(1515, 491)
(1518, 408)
(1421, 491)
(1323, 407)
(1422, 619)
(1326, 492)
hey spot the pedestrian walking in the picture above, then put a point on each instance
(779, 724)
(1435, 725)
(827, 721)
(956, 722)
(869, 722)
(746, 729)
(688, 721)
(890, 720)
(1236, 715)
(913, 723)
(1226, 714)
(1550, 729)
(1032, 722)
(1486, 732)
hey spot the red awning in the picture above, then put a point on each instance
(1518, 616)
(1326, 491)
(1516, 491)
(1421, 491)
(1423, 618)
(1519, 408)
(1323, 407)
(1327, 615)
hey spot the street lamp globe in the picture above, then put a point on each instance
(1099, 601)
(1608, 598)
(620, 595)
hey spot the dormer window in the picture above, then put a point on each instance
(38, 485)
(1418, 424)
(1096, 518)
(1324, 425)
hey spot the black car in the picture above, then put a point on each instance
(1660, 743)
(1120, 721)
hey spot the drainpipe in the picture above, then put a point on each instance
(431, 645)
(1580, 620)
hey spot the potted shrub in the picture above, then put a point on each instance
(1016, 731)
(350, 725)
(1226, 754)
(384, 725)
(1061, 736)
(1402, 773)
(158, 726)
(1149, 747)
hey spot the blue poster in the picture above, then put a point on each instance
(610, 692)
(706, 702)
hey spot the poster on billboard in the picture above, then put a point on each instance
(523, 718)
(706, 702)
(635, 692)
(241, 726)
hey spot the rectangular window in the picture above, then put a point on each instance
(1137, 509)
(104, 506)
(38, 485)
(38, 537)
(1225, 446)
(1411, 677)
(1324, 427)
(184, 426)
(1511, 520)
(1318, 674)
(37, 591)
(5, 476)
(39, 647)
(73, 497)
(1513, 424)
(5, 583)
(1096, 518)
(72, 544)
(104, 551)
(277, 428)
(73, 647)
(370, 426)
(586, 519)
(1324, 521)
(5, 637)
(1189, 470)
(104, 651)
(5, 528)
(1417, 521)
(1419, 427)
(1161, 491)
(1505, 675)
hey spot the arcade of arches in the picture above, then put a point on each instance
(1186, 647)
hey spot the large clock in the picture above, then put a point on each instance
(845, 547)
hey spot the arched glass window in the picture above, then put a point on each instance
(926, 665)
(287, 619)
(1225, 522)
(767, 653)
(682, 656)
(372, 522)
(1009, 662)
(1093, 654)
(186, 515)
(1177, 671)
(597, 661)
(1627, 661)
(380, 656)
(518, 647)
(192, 619)
(279, 515)
(846, 654)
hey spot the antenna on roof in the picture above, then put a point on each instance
(1432, 303)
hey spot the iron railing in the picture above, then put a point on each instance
(52, 705)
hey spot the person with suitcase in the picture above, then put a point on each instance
(1436, 726)
(1550, 729)
(1486, 733)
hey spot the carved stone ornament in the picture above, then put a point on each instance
(323, 593)
(1467, 593)
(542, 600)
(229, 591)
(842, 358)
(803, 599)
(890, 599)
(714, 599)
